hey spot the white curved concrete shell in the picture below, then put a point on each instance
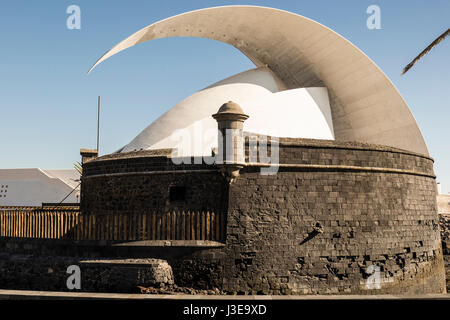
(365, 105)
(189, 127)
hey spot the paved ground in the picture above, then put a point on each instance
(22, 294)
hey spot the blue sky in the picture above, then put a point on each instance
(48, 102)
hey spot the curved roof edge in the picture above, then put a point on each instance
(366, 106)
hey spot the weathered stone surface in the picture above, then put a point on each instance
(304, 230)
(383, 219)
(444, 222)
(143, 192)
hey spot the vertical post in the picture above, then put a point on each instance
(98, 123)
(154, 225)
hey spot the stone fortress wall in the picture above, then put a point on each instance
(332, 210)
(140, 181)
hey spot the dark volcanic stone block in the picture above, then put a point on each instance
(337, 217)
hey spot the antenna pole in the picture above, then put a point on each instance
(98, 124)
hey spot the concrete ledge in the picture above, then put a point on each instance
(120, 174)
(172, 243)
(53, 295)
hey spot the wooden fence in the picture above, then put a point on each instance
(73, 225)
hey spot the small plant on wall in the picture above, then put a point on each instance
(79, 167)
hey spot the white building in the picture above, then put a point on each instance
(32, 187)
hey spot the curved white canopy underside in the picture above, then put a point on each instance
(365, 105)
(189, 127)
